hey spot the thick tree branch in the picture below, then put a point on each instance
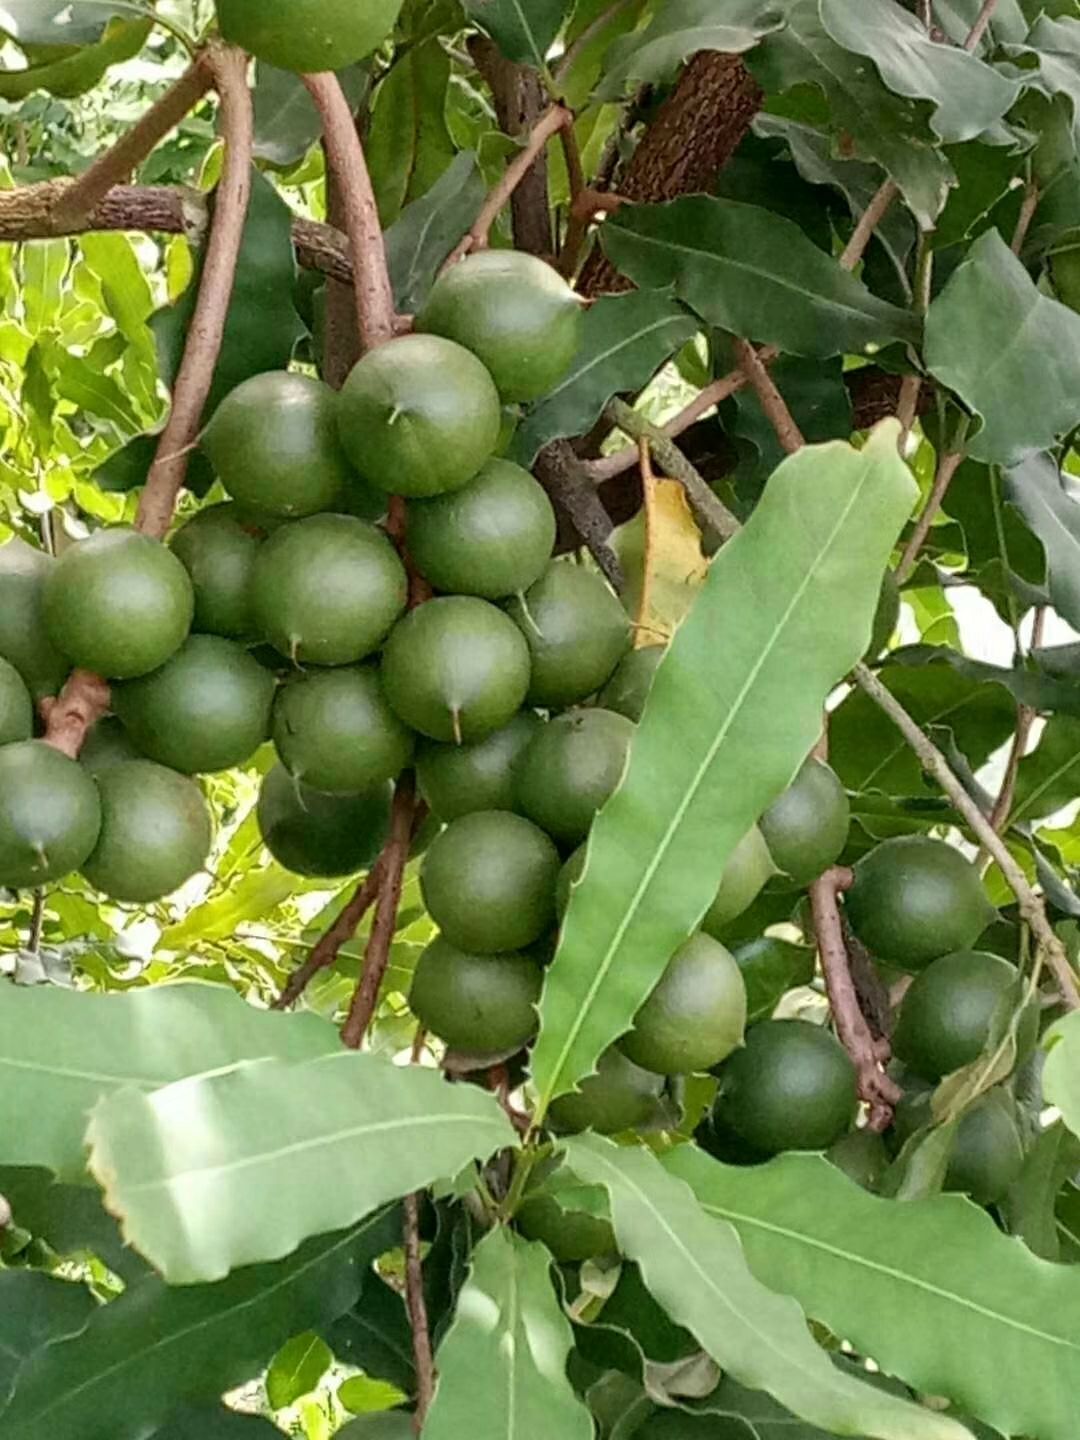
(80, 199)
(868, 1055)
(375, 314)
(326, 951)
(947, 468)
(79, 706)
(203, 344)
(377, 955)
(934, 763)
(564, 478)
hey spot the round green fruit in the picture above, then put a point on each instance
(419, 416)
(569, 876)
(748, 868)
(696, 1014)
(325, 591)
(619, 1096)
(455, 780)
(273, 444)
(206, 709)
(915, 898)
(480, 1004)
(107, 743)
(218, 551)
(571, 769)
(307, 36)
(987, 1154)
(320, 835)
(456, 669)
(792, 1087)
(118, 603)
(577, 633)
(155, 832)
(514, 312)
(16, 706)
(570, 1235)
(946, 1015)
(488, 881)
(24, 636)
(492, 539)
(50, 814)
(807, 828)
(334, 730)
(628, 689)
(862, 1156)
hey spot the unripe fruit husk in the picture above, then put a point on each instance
(155, 832)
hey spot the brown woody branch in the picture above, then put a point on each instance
(404, 814)
(325, 953)
(769, 398)
(417, 1309)
(375, 314)
(868, 1055)
(947, 467)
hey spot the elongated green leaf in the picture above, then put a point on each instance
(694, 1266)
(785, 612)
(157, 1348)
(625, 339)
(69, 1218)
(1049, 778)
(867, 120)
(1061, 1073)
(1051, 1159)
(375, 1335)
(188, 1168)
(61, 1051)
(522, 29)
(1054, 44)
(502, 1364)
(286, 121)
(426, 231)
(217, 1423)
(753, 272)
(1010, 353)
(969, 96)
(931, 1288)
(36, 1310)
(408, 145)
(297, 1369)
(679, 30)
(72, 71)
(1036, 488)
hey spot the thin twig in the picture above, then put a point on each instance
(37, 922)
(377, 955)
(1027, 214)
(982, 21)
(709, 511)
(868, 1055)
(79, 200)
(772, 402)
(1025, 719)
(880, 203)
(375, 313)
(934, 763)
(947, 468)
(648, 492)
(578, 225)
(911, 386)
(326, 951)
(549, 124)
(417, 1308)
(203, 344)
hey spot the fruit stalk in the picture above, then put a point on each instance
(868, 1054)
(375, 313)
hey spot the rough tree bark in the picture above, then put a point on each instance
(520, 100)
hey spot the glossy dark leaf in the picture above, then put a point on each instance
(375, 1335)
(69, 1218)
(427, 230)
(522, 29)
(408, 145)
(1049, 776)
(69, 71)
(1039, 492)
(297, 1369)
(216, 1423)
(36, 1310)
(286, 121)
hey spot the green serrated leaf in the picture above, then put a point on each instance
(69, 1218)
(680, 29)
(157, 1348)
(969, 97)
(1037, 489)
(326, 1141)
(1051, 1159)
(61, 1051)
(1054, 45)
(502, 1363)
(754, 273)
(1049, 777)
(522, 29)
(792, 596)
(931, 1288)
(375, 1336)
(694, 1266)
(408, 145)
(625, 339)
(1061, 1073)
(427, 230)
(1010, 353)
(36, 1310)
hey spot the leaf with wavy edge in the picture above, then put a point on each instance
(695, 1267)
(240, 1167)
(61, 1051)
(157, 1348)
(930, 1288)
(502, 1364)
(784, 614)
(36, 1310)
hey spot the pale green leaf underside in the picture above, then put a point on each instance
(1035, 488)
(1010, 352)
(235, 1168)
(1049, 777)
(157, 1347)
(930, 1288)
(502, 1365)
(1061, 1073)
(61, 1051)
(783, 615)
(695, 1267)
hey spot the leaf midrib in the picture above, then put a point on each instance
(623, 344)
